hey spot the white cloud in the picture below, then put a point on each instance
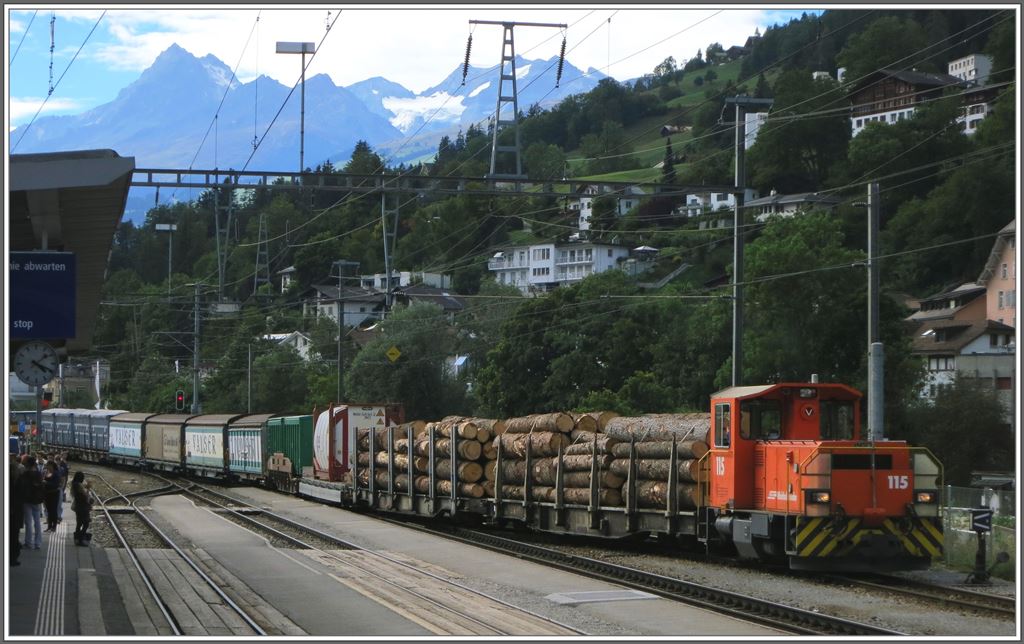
(24, 108)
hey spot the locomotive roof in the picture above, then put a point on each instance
(754, 390)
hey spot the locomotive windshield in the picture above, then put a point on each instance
(760, 419)
(836, 420)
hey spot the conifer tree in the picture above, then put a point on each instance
(668, 168)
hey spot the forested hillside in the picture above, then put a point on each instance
(606, 343)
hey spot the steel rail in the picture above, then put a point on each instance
(961, 597)
(348, 545)
(164, 609)
(750, 609)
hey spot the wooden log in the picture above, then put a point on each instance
(493, 426)
(363, 458)
(584, 444)
(380, 435)
(513, 470)
(662, 449)
(490, 467)
(473, 490)
(539, 443)
(537, 492)
(654, 494)
(656, 469)
(490, 451)
(581, 496)
(605, 479)
(483, 434)
(553, 422)
(468, 449)
(488, 487)
(602, 418)
(584, 423)
(463, 428)
(660, 427)
(467, 472)
(381, 479)
(401, 460)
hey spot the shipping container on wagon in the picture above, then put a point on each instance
(247, 445)
(63, 428)
(336, 430)
(292, 437)
(206, 443)
(97, 422)
(164, 441)
(125, 436)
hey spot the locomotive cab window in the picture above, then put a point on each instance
(723, 426)
(760, 419)
(836, 420)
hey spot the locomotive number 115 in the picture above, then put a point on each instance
(898, 482)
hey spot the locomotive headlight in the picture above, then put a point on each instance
(925, 497)
(819, 496)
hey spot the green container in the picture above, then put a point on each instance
(293, 437)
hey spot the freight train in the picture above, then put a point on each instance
(786, 475)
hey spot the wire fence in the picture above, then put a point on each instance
(961, 541)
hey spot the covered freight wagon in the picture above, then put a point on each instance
(164, 441)
(125, 434)
(97, 436)
(289, 449)
(247, 446)
(206, 442)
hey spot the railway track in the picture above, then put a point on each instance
(133, 513)
(455, 608)
(788, 619)
(998, 605)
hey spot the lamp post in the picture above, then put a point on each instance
(170, 228)
(302, 48)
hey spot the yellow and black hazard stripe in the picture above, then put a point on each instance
(922, 537)
(823, 537)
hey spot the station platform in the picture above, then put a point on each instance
(64, 590)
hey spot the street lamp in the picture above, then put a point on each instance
(300, 48)
(170, 228)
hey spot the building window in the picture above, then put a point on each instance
(860, 122)
(609, 252)
(993, 340)
(1000, 299)
(1004, 271)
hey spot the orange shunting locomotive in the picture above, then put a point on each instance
(792, 476)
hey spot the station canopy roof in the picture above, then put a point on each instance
(74, 201)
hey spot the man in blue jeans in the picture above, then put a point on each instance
(34, 495)
(62, 469)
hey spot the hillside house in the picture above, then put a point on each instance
(296, 340)
(583, 203)
(981, 349)
(790, 205)
(355, 306)
(450, 303)
(287, 277)
(703, 203)
(973, 69)
(889, 96)
(999, 277)
(543, 267)
(963, 303)
(377, 281)
(977, 104)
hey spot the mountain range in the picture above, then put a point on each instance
(165, 118)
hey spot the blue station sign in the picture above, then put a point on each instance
(42, 299)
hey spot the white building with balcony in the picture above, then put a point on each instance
(401, 279)
(542, 267)
(583, 204)
(703, 203)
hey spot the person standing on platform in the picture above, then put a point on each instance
(34, 496)
(81, 503)
(51, 494)
(62, 468)
(16, 514)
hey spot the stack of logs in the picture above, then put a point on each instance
(596, 442)
(473, 438)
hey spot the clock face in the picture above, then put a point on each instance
(36, 363)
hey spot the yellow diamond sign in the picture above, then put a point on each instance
(393, 353)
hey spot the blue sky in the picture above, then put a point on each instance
(416, 47)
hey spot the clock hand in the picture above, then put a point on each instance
(41, 367)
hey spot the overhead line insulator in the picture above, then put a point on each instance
(465, 65)
(561, 62)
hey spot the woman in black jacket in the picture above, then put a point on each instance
(81, 503)
(51, 494)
